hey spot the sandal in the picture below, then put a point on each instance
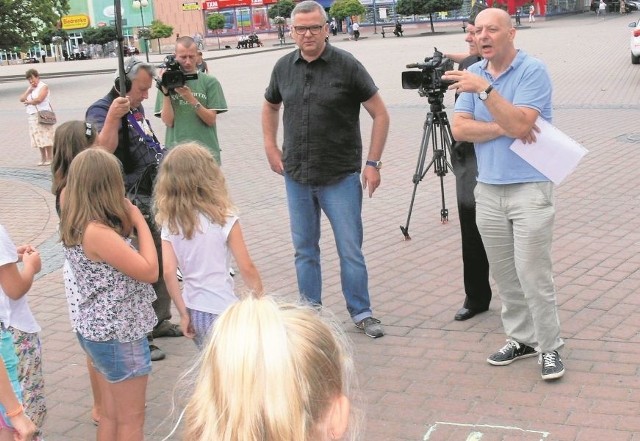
(166, 329)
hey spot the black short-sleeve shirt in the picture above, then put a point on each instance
(321, 99)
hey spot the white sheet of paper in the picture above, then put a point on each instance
(554, 154)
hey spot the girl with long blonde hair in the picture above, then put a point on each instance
(272, 372)
(199, 229)
(114, 288)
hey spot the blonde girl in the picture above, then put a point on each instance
(199, 228)
(271, 372)
(114, 288)
(71, 138)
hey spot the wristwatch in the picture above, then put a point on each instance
(485, 93)
(197, 105)
(375, 164)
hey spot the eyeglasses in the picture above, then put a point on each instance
(302, 30)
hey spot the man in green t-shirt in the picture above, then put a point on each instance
(190, 112)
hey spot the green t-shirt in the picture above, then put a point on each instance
(187, 125)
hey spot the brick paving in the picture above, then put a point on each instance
(427, 379)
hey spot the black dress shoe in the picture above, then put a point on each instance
(466, 313)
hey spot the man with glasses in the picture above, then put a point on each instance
(322, 88)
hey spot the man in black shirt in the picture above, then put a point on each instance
(322, 88)
(463, 159)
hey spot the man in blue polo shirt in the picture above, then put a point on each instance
(501, 98)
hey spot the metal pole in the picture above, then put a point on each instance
(375, 29)
(146, 43)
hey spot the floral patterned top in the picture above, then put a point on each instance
(111, 305)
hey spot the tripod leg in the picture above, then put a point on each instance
(444, 212)
(405, 229)
(420, 170)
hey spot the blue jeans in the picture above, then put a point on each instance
(342, 204)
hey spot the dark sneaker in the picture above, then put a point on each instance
(166, 329)
(156, 353)
(371, 327)
(511, 352)
(552, 366)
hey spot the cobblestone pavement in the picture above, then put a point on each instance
(428, 378)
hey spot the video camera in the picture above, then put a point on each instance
(173, 76)
(429, 79)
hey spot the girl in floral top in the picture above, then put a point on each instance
(114, 288)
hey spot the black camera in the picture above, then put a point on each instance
(429, 78)
(173, 76)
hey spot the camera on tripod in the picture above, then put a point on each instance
(173, 76)
(429, 78)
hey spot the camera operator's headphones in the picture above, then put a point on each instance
(128, 69)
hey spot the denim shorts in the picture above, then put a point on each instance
(8, 354)
(118, 361)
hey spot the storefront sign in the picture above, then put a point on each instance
(210, 5)
(214, 5)
(79, 21)
(191, 6)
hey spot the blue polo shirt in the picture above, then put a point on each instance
(526, 83)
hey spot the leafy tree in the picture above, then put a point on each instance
(215, 22)
(101, 36)
(21, 19)
(346, 8)
(160, 30)
(420, 7)
(281, 9)
(46, 35)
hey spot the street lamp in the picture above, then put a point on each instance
(139, 4)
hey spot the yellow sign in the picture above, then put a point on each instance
(79, 21)
(191, 6)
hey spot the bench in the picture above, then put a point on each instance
(392, 29)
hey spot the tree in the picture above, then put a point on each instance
(346, 8)
(160, 30)
(419, 7)
(215, 22)
(46, 35)
(101, 36)
(281, 9)
(22, 19)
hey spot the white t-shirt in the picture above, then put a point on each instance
(14, 313)
(355, 26)
(44, 105)
(204, 261)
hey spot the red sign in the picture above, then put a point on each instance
(224, 4)
(210, 5)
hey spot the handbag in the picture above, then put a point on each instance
(47, 117)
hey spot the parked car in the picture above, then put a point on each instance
(635, 42)
(632, 5)
(130, 51)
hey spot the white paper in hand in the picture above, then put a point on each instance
(554, 154)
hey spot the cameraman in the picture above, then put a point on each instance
(120, 122)
(190, 112)
(463, 159)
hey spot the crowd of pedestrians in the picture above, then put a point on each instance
(287, 375)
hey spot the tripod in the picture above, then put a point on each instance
(437, 129)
